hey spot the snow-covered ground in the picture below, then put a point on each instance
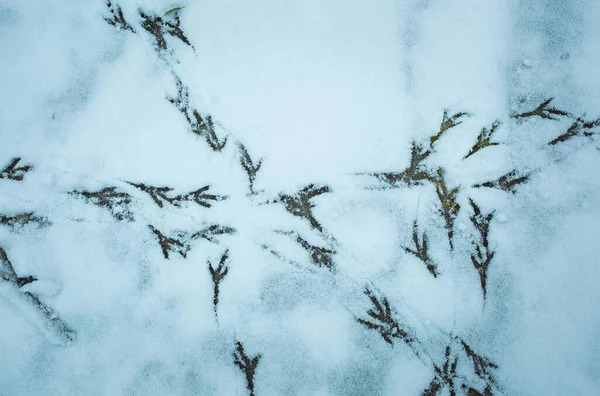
(360, 198)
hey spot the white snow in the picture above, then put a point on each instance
(323, 92)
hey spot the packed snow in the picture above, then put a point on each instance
(299, 198)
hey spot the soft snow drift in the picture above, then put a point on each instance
(332, 198)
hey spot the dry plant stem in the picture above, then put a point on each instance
(246, 364)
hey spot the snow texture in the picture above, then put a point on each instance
(299, 198)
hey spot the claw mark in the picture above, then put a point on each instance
(158, 27)
(449, 206)
(12, 172)
(300, 205)
(484, 139)
(507, 182)
(250, 167)
(53, 326)
(199, 125)
(543, 111)
(421, 250)
(211, 231)
(218, 275)
(383, 321)
(22, 219)
(108, 198)
(414, 175)
(246, 364)
(158, 194)
(483, 254)
(447, 123)
(578, 128)
(117, 19)
(320, 256)
(168, 244)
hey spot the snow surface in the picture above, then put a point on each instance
(323, 92)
